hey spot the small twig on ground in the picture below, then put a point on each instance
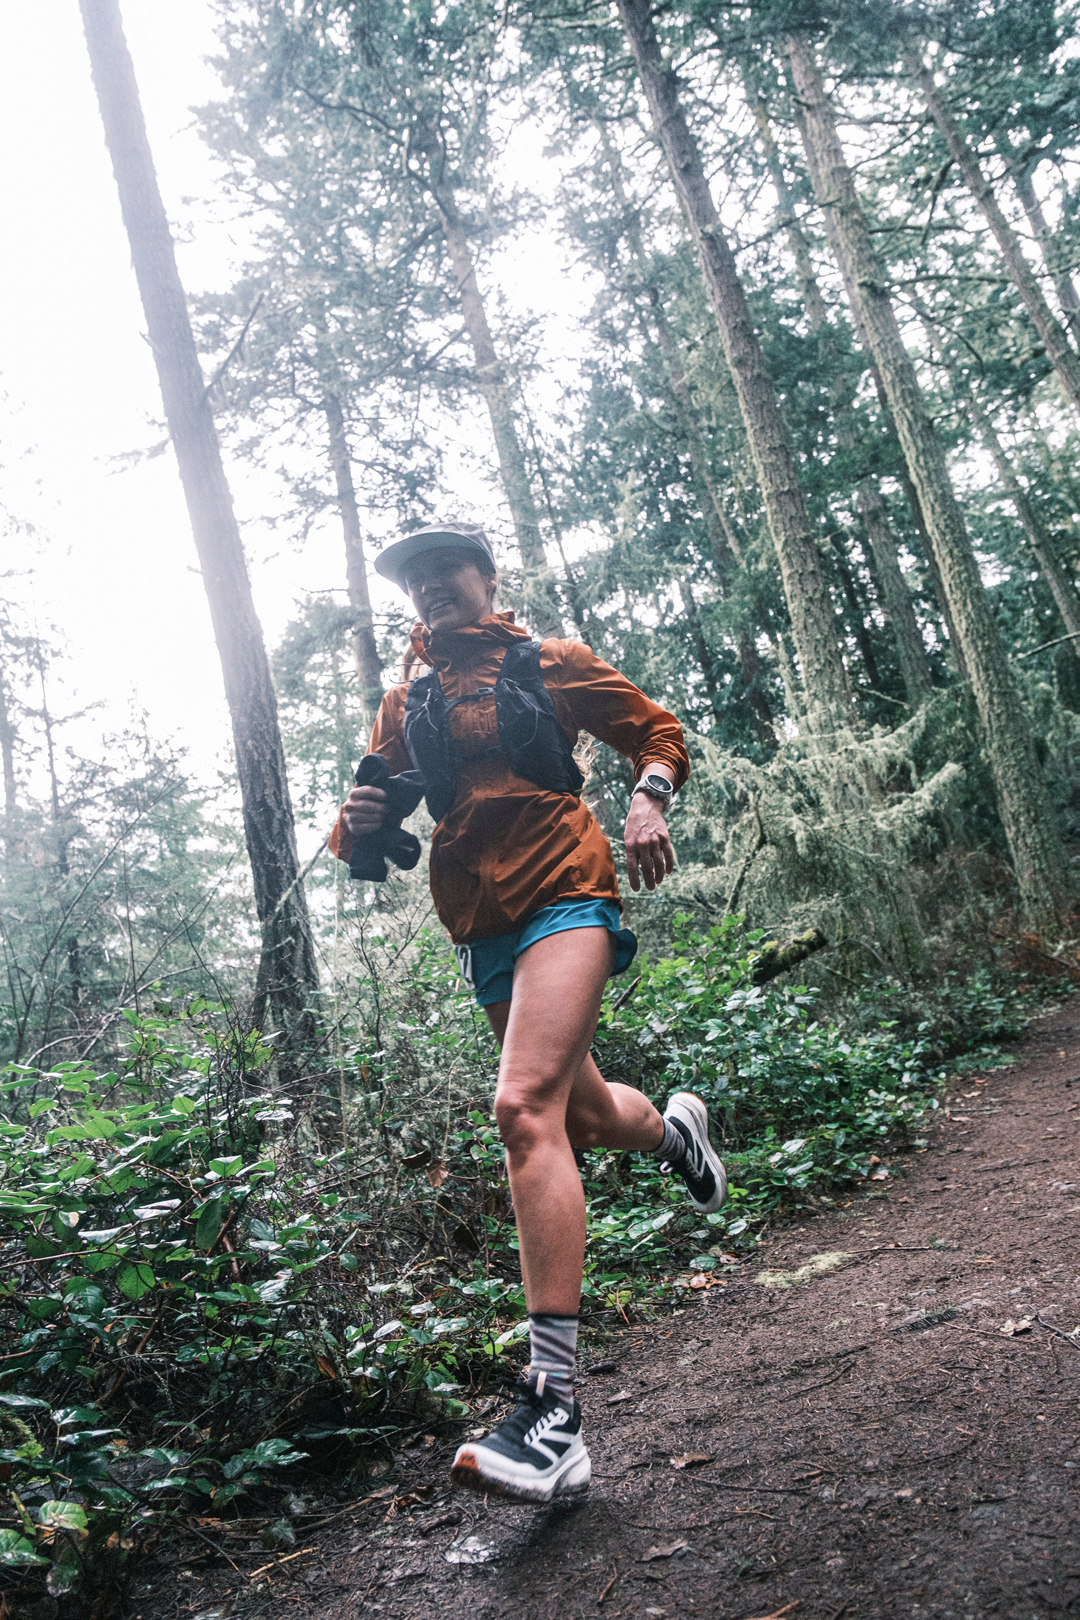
(794, 1604)
(1066, 1336)
(278, 1562)
(824, 1383)
(607, 1589)
(214, 1547)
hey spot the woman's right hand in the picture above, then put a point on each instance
(364, 811)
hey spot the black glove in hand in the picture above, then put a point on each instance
(370, 853)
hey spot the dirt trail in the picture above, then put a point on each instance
(876, 1445)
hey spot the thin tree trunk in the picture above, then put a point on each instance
(365, 650)
(705, 659)
(1058, 349)
(587, 628)
(812, 618)
(858, 613)
(764, 724)
(288, 976)
(1058, 579)
(896, 598)
(7, 755)
(542, 604)
(1063, 282)
(1026, 814)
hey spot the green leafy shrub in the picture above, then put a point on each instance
(196, 1302)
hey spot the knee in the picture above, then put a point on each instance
(521, 1122)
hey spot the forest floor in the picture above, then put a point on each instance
(895, 1432)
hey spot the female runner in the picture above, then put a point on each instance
(524, 880)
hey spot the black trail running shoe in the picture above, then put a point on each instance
(705, 1176)
(534, 1454)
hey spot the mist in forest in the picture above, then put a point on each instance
(751, 334)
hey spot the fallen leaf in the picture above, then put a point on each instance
(437, 1173)
(1011, 1328)
(325, 1367)
(452, 1516)
(623, 1395)
(690, 1459)
(417, 1161)
(662, 1552)
(701, 1279)
(417, 1498)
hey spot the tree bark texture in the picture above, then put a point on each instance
(365, 651)
(895, 597)
(1026, 814)
(812, 619)
(541, 601)
(1058, 349)
(1058, 579)
(288, 976)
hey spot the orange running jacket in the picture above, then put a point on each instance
(507, 848)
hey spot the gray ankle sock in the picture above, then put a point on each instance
(552, 1348)
(672, 1149)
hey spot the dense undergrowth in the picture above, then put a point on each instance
(194, 1300)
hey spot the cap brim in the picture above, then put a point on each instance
(392, 562)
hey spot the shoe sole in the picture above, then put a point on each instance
(694, 1106)
(573, 1480)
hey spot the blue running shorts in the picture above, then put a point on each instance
(488, 964)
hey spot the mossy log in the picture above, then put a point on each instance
(777, 955)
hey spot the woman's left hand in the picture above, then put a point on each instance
(649, 854)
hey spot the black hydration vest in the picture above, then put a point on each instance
(531, 739)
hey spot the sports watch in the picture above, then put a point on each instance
(657, 787)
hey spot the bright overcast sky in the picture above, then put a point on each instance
(114, 569)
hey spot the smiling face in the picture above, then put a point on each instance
(448, 590)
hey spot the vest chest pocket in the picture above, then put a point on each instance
(524, 730)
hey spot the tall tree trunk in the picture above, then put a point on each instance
(288, 977)
(1026, 814)
(586, 626)
(1022, 175)
(858, 613)
(1058, 579)
(7, 755)
(812, 619)
(723, 541)
(541, 600)
(895, 596)
(365, 651)
(1058, 349)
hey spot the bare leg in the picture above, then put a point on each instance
(548, 1087)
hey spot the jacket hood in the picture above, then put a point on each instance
(460, 646)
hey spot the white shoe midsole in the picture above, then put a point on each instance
(572, 1472)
